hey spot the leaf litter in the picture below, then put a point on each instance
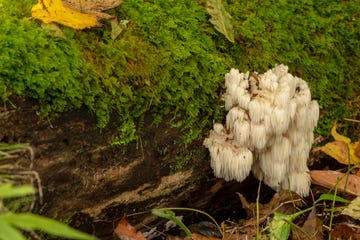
(220, 18)
(73, 13)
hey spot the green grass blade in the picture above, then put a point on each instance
(9, 232)
(7, 190)
(332, 197)
(50, 226)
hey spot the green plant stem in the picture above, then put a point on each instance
(167, 213)
(336, 189)
(258, 213)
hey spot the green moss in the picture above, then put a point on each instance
(34, 64)
(171, 61)
(318, 40)
(190, 64)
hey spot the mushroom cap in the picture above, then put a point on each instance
(240, 165)
(258, 136)
(282, 96)
(228, 159)
(298, 182)
(231, 163)
(241, 131)
(235, 113)
(268, 81)
(257, 109)
(302, 118)
(288, 80)
(236, 89)
(243, 99)
(280, 150)
(280, 120)
(232, 78)
(299, 156)
(280, 70)
(229, 100)
(269, 129)
(302, 92)
(273, 172)
(292, 109)
(314, 113)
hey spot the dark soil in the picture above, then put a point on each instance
(85, 177)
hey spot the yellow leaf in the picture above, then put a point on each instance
(357, 149)
(339, 151)
(339, 137)
(54, 11)
(342, 149)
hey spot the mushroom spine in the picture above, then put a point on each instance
(268, 130)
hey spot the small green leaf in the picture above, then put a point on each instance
(7, 190)
(50, 226)
(8, 147)
(9, 232)
(168, 214)
(220, 18)
(331, 197)
(280, 226)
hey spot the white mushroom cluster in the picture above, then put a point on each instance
(269, 130)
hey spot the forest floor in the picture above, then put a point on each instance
(86, 178)
(95, 184)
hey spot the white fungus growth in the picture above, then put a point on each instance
(268, 130)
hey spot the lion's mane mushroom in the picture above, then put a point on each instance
(268, 130)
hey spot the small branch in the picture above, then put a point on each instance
(351, 120)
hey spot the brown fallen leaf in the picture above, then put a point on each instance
(127, 232)
(284, 202)
(227, 236)
(94, 7)
(312, 228)
(345, 231)
(196, 236)
(328, 179)
(357, 149)
(54, 11)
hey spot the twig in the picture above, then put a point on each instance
(37, 177)
(351, 120)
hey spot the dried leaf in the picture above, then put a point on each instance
(117, 27)
(312, 228)
(357, 149)
(353, 209)
(342, 149)
(328, 179)
(53, 29)
(196, 236)
(54, 11)
(346, 231)
(94, 7)
(220, 19)
(127, 232)
(282, 202)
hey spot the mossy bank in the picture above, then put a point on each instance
(170, 61)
